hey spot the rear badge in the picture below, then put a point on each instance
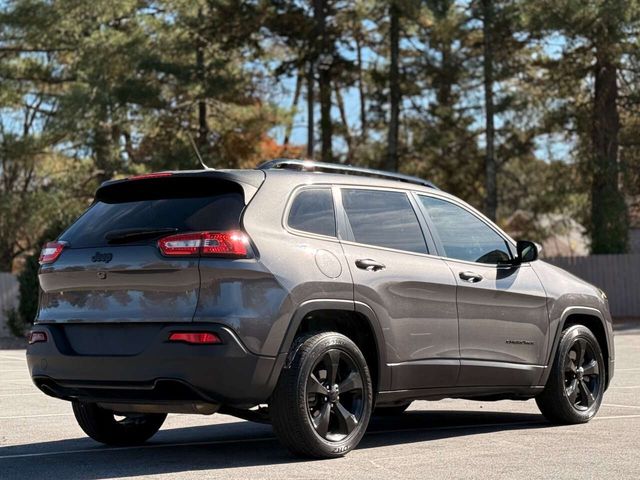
(102, 275)
(102, 257)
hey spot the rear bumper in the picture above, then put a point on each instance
(160, 372)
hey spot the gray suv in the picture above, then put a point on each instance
(309, 296)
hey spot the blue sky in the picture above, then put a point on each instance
(548, 147)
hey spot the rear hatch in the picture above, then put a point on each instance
(115, 268)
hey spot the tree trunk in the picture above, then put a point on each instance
(294, 108)
(491, 187)
(361, 92)
(102, 146)
(609, 219)
(310, 107)
(391, 162)
(345, 123)
(203, 128)
(6, 256)
(326, 126)
(324, 80)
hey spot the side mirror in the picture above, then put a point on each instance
(527, 251)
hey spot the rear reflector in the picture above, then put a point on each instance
(196, 338)
(50, 252)
(205, 244)
(35, 337)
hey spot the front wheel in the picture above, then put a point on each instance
(322, 403)
(576, 384)
(107, 427)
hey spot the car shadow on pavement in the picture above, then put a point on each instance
(234, 445)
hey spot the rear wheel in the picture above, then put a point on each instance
(106, 427)
(574, 391)
(322, 403)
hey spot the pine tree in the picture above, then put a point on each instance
(596, 34)
(443, 142)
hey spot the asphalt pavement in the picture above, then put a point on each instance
(39, 438)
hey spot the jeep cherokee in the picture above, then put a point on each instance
(305, 295)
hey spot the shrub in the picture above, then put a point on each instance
(29, 290)
(16, 326)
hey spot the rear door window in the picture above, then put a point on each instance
(312, 211)
(384, 219)
(171, 206)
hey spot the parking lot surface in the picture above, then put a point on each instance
(39, 438)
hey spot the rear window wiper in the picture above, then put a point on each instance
(130, 234)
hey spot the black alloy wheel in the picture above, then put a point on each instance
(577, 380)
(582, 375)
(323, 400)
(335, 396)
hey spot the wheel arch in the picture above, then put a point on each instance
(589, 317)
(355, 320)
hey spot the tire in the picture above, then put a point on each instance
(103, 427)
(310, 419)
(576, 384)
(392, 411)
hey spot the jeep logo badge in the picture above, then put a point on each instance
(102, 257)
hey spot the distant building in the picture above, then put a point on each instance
(567, 237)
(560, 235)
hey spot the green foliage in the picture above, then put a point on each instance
(91, 91)
(15, 323)
(593, 82)
(29, 290)
(445, 147)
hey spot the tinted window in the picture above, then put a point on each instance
(463, 235)
(385, 219)
(312, 211)
(183, 209)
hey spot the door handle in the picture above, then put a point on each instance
(470, 277)
(369, 265)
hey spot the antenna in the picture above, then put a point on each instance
(195, 148)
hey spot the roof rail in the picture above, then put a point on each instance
(311, 166)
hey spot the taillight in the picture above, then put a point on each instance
(196, 338)
(225, 243)
(205, 244)
(186, 244)
(36, 337)
(50, 252)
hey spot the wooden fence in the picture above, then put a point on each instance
(617, 275)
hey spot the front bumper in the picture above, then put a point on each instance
(150, 369)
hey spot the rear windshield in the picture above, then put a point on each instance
(157, 204)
